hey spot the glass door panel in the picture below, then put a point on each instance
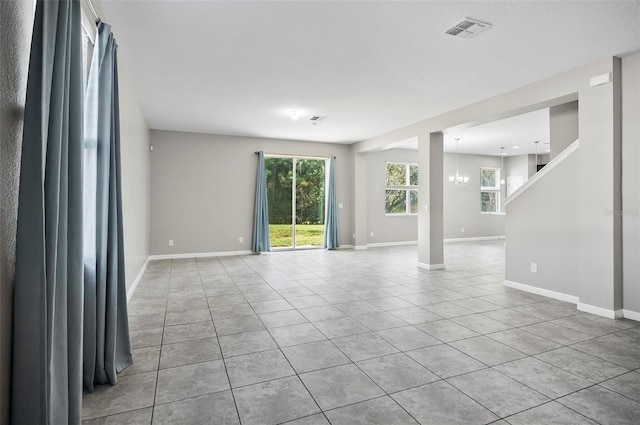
(279, 197)
(309, 203)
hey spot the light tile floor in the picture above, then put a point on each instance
(364, 337)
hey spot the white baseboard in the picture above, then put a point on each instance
(474, 239)
(138, 279)
(541, 291)
(430, 266)
(198, 255)
(633, 315)
(360, 247)
(599, 311)
(345, 247)
(400, 243)
(587, 308)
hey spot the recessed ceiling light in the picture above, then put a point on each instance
(548, 150)
(294, 114)
(516, 147)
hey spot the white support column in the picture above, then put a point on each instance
(360, 196)
(430, 216)
(599, 197)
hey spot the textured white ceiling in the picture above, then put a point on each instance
(517, 134)
(239, 67)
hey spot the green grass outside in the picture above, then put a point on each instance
(306, 235)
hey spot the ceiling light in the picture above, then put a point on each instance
(467, 28)
(458, 179)
(516, 147)
(294, 114)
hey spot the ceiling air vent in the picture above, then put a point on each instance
(467, 28)
(316, 119)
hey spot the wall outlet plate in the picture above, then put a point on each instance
(534, 267)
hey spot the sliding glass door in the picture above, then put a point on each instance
(296, 196)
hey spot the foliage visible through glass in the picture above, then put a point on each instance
(309, 192)
(401, 196)
(488, 177)
(413, 175)
(396, 174)
(396, 201)
(489, 201)
(413, 194)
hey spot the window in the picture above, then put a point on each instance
(401, 182)
(489, 190)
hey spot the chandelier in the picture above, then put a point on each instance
(458, 179)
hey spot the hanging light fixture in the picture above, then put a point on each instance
(458, 180)
(502, 169)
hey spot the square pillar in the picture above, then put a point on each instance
(430, 214)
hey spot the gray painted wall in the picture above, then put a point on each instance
(387, 228)
(542, 228)
(563, 126)
(517, 166)
(203, 187)
(16, 22)
(631, 181)
(461, 205)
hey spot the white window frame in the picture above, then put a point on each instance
(407, 188)
(491, 189)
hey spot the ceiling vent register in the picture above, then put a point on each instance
(467, 28)
(316, 119)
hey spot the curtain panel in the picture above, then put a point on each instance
(331, 216)
(107, 348)
(48, 291)
(260, 241)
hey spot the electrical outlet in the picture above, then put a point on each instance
(534, 267)
(170, 242)
(462, 230)
(340, 205)
(240, 239)
(371, 234)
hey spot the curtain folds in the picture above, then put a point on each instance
(48, 292)
(107, 347)
(261, 213)
(331, 216)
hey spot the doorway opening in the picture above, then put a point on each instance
(296, 199)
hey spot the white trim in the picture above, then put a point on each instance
(541, 291)
(478, 238)
(430, 266)
(599, 311)
(399, 243)
(198, 255)
(633, 315)
(360, 247)
(138, 279)
(345, 246)
(547, 168)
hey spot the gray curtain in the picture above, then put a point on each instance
(107, 349)
(331, 217)
(47, 313)
(261, 212)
